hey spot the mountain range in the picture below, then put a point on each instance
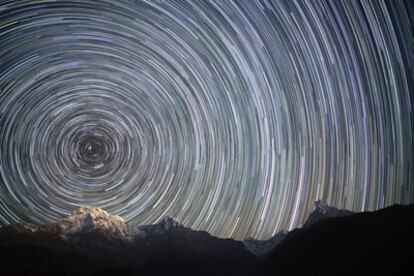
(93, 242)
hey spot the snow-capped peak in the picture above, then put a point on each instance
(321, 211)
(87, 218)
(323, 207)
(324, 211)
(168, 223)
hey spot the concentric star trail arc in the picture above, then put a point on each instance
(233, 117)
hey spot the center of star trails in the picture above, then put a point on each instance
(93, 148)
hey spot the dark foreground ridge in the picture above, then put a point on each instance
(369, 243)
(94, 242)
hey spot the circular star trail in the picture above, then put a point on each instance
(232, 117)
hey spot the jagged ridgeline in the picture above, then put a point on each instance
(92, 241)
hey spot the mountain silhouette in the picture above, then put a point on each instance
(261, 248)
(368, 243)
(93, 242)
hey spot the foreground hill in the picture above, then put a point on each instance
(369, 243)
(261, 248)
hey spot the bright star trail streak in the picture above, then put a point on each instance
(231, 116)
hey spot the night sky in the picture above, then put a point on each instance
(233, 117)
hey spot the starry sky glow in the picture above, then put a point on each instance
(233, 117)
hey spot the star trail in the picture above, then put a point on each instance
(233, 117)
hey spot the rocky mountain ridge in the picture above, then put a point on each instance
(93, 219)
(93, 242)
(261, 248)
(366, 243)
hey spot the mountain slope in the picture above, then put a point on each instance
(324, 211)
(369, 243)
(87, 219)
(93, 241)
(261, 248)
